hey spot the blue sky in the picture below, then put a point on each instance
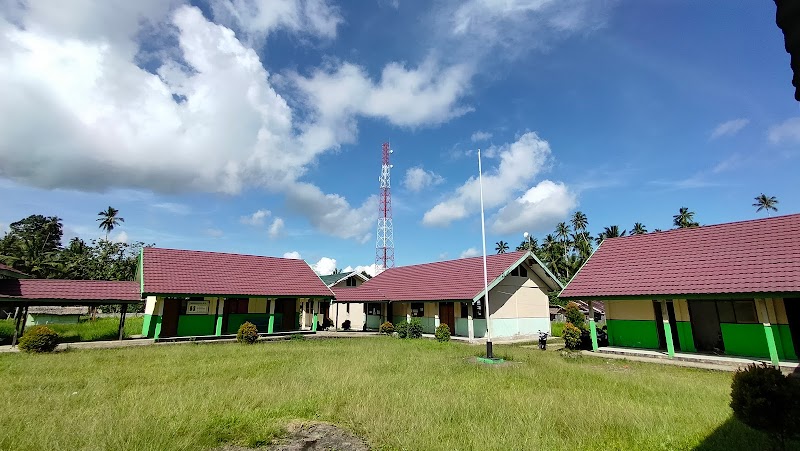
(193, 118)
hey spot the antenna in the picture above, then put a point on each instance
(384, 247)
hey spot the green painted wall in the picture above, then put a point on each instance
(261, 321)
(746, 340)
(157, 328)
(398, 319)
(218, 326)
(685, 336)
(632, 333)
(149, 325)
(190, 325)
(374, 321)
(783, 340)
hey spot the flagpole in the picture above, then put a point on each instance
(489, 354)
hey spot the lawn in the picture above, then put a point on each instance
(398, 394)
(86, 330)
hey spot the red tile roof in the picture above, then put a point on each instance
(172, 271)
(6, 268)
(70, 290)
(460, 279)
(758, 256)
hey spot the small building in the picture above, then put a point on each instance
(42, 315)
(197, 293)
(351, 311)
(451, 292)
(730, 289)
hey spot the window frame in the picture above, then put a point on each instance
(420, 311)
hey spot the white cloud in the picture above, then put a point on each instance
(255, 219)
(214, 233)
(293, 254)
(787, 131)
(480, 136)
(539, 209)
(332, 213)
(276, 228)
(373, 269)
(258, 18)
(122, 237)
(174, 208)
(418, 179)
(471, 252)
(729, 128)
(324, 266)
(520, 163)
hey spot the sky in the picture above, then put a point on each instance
(255, 126)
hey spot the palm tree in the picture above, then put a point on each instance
(638, 229)
(531, 244)
(579, 222)
(610, 232)
(684, 219)
(337, 271)
(562, 231)
(501, 247)
(766, 203)
(108, 220)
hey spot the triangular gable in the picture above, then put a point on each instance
(539, 269)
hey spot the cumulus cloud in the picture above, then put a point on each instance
(418, 179)
(256, 218)
(325, 266)
(276, 228)
(729, 128)
(539, 209)
(293, 254)
(471, 252)
(520, 162)
(373, 269)
(787, 131)
(480, 136)
(258, 18)
(214, 233)
(332, 213)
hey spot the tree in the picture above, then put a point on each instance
(610, 232)
(766, 203)
(337, 271)
(531, 244)
(32, 245)
(579, 223)
(109, 220)
(573, 315)
(562, 232)
(638, 229)
(684, 219)
(501, 247)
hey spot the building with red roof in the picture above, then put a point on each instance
(450, 292)
(721, 289)
(197, 293)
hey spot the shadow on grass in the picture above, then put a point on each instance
(733, 435)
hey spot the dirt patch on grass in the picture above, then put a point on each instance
(311, 437)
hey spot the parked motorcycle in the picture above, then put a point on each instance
(543, 340)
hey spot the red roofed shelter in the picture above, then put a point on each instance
(729, 289)
(448, 292)
(196, 293)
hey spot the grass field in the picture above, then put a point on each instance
(99, 329)
(398, 394)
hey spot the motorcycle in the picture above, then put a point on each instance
(543, 340)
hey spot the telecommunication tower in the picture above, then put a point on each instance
(384, 248)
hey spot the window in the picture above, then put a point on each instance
(417, 309)
(519, 271)
(464, 309)
(477, 309)
(236, 305)
(374, 309)
(351, 281)
(184, 302)
(737, 312)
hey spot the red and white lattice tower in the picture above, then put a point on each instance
(384, 248)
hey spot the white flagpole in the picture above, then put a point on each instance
(486, 310)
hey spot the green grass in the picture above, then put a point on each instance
(556, 327)
(398, 394)
(86, 330)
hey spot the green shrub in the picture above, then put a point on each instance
(556, 327)
(443, 332)
(571, 336)
(299, 337)
(38, 339)
(401, 329)
(766, 400)
(386, 328)
(573, 315)
(415, 328)
(248, 333)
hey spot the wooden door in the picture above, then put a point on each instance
(447, 315)
(169, 320)
(793, 315)
(287, 308)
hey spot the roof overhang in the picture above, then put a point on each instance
(241, 295)
(540, 269)
(689, 296)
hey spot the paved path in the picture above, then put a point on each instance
(707, 362)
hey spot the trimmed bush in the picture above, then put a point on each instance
(38, 339)
(766, 400)
(401, 329)
(443, 332)
(248, 333)
(346, 325)
(386, 328)
(573, 315)
(415, 328)
(571, 336)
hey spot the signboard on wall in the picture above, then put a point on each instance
(197, 307)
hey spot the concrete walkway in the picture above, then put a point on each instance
(703, 361)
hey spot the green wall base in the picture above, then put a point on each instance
(632, 333)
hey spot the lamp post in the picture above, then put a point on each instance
(528, 237)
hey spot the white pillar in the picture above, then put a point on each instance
(303, 314)
(470, 323)
(436, 320)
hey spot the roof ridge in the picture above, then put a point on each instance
(488, 256)
(221, 253)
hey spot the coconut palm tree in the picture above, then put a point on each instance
(562, 232)
(108, 220)
(610, 232)
(684, 219)
(501, 247)
(530, 244)
(766, 203)
(638, 229)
